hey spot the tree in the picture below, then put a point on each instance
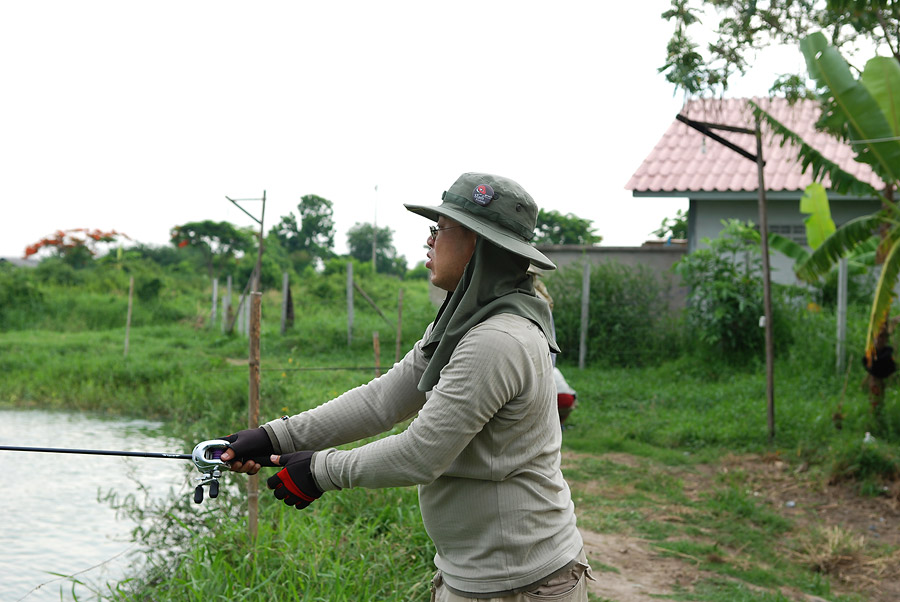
(220, 242)
(863, 113)
(313, 237)
(673, 227)
(76, 246)
(743, 28)
(359, 241)
(554, 228)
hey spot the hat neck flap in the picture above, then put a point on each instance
(495, 282)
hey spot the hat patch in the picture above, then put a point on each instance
(483, 194)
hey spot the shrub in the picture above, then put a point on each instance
(725, 301)
(629, 322)
(868, 462)
(19, 297)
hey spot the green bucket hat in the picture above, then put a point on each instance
(495, 208)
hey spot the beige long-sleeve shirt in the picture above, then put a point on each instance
(484, 451)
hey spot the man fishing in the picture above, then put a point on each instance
(484, 447)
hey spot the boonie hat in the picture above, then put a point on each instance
(494, 207)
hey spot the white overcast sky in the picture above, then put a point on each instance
(138, 116)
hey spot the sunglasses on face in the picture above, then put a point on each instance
(434, 230)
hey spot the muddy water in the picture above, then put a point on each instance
(51, 520)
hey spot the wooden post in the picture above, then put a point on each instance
(128, 318)
(767, 287)
(247, 302)
(840, 351)
(215, 302)
(240, 315)
(253, 413)
(285, 290)
(376, 344)
(399, 324)
(585, 298)
(371, 302)
(349, 303)
(226, 306)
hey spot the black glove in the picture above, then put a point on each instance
(294, 484)
(252, 444)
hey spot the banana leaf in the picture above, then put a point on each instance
(819, 224)
(881, 77)
(788, 247)
(841, 243)
(849, 110)
(842, 182)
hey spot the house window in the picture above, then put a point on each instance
(792, 231)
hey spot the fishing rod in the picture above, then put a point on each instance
(206, 458)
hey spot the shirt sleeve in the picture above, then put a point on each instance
(485, 372)
(365, 411)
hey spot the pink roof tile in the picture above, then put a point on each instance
(684, 160)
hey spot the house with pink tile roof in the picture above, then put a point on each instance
(722, 184)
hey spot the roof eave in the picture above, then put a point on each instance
(740, 195)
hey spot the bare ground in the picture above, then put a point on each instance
(854, 540)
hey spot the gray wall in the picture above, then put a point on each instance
(659, 258)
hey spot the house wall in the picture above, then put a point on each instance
(706, 217)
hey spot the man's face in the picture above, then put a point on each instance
(449, 251)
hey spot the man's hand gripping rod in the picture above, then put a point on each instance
(206, 457)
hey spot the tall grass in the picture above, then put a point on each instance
(630, 322)
(675, 408)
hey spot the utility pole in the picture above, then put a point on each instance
(707, 130)
(254, 359)
(375, 231)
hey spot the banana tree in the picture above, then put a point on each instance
(819, 227)
(864, 112)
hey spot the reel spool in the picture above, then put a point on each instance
(207, 458)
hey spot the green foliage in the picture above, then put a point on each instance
(629, 321)
(354, 544)
(741, 29)
(220, 242)
(819, 224)
(19, 295)
(554, 228)
(673, 227)
(313, 237)
(371, 545)
(359, 240)
(725, 301)
(863, 113)
(868, 462)
(419, 272)
(849, 111)
(56, 296)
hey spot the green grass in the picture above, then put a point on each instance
(370, 545)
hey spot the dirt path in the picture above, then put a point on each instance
(635, 573)
(859, 551)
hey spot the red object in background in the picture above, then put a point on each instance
(565, 400)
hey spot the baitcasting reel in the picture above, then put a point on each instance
(207, 458)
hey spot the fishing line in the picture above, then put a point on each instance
(69, 577)
(207, 457)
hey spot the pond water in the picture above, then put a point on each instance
(52, 519)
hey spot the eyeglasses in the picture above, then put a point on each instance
(434, 230)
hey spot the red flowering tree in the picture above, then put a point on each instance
(76, 246)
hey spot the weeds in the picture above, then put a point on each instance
(676, 413)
